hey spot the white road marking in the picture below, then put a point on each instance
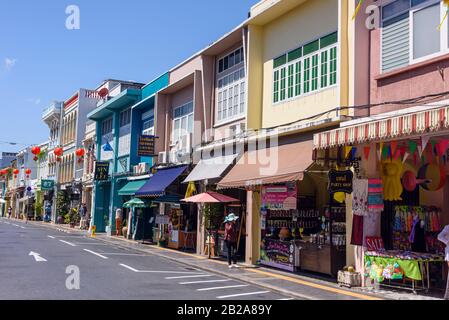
(51, 237)
(15, 225)
(128, 267)
(243, 294)
(206, 281)
(97, 254)
(226, 287)
(37, 257)
(69, 243)
(192, 276)
(153, 271)
(22, 227)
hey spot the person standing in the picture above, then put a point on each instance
(118, 221)
(83, 211)
(231, 239)
(9, 212)
(444, 237)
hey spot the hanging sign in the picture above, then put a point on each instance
(146, 146)
(47, 185)
(340, 181)
(101, 171)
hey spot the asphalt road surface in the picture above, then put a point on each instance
(42, 263)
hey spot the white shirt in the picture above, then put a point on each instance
(118, 214)
(444, 237)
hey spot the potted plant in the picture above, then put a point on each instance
(74, 217)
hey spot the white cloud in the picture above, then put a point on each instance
(10, 63)
(34, 100)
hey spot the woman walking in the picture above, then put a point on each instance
(231, 239)
(444, 237)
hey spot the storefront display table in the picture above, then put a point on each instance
(414, 265)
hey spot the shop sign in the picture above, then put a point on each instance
(101, 171)
(281, 197)
(278, 254)
(47, 185)
(340, 181)
(146, 146)
(374, 243)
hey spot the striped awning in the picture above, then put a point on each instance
(406, 125)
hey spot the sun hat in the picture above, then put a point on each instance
(231, 217)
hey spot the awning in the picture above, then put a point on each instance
(168, 198)
(393, 127)
(212, 168)
(131, 188)
(156, 185)
(274, 165)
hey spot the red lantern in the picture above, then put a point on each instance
(16, 171)
(58, 152)
(35, 150)
(28, 171)
(80, 152)
(35, 158)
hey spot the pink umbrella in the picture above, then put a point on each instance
(210, 197)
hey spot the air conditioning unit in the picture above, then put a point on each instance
(163, 157)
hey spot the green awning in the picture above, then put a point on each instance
(131, 188)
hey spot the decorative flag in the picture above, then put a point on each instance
(385, 151)
(405, 157)
(367, 151)
(107, 147)
(379, 152)
(412, 146)
(442, 146)
(354, 153)
(357, 9)
(348, 149)
(424, 142)
(394, 146)
(446, 2)
(191, 189)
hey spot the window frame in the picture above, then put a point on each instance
(180, 118)
(302, 75)
(225, 112)
(444, 33)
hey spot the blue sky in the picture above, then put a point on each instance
(41, 61)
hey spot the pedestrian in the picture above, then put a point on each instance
(231, 239)
(9, 212)
(118, 221)
(444, 237)
(83, 211)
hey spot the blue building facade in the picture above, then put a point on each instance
(119, 123)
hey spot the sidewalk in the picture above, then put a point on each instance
(294, 285)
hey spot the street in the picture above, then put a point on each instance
(34, 261)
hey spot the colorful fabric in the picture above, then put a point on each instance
(410, 268)
(357, 231)
(375, 195)
(360, 197)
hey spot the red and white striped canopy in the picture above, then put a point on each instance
(406, 125)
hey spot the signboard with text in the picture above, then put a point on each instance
(281, 197)
(278, 254)
(101, 171)
(146, 146)
(340, 181)
(47, 185)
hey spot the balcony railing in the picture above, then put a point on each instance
(54, 108)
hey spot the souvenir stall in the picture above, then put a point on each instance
(181, 227)
(405, 198)
(302, 232)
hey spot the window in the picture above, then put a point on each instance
(125, 117)
(426, 38)
(306, 69)
(231, 96)
(231, 60)
(182, 121)
(106, 127)
(148, 126)
(409, 32)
